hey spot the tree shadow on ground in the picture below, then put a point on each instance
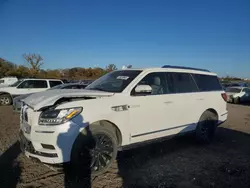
(180, 162)
(10, 169)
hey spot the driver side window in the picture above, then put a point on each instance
(26, 84)
(157, 81)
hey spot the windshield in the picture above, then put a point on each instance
(115, 81)
(233, 90)
(16, 83)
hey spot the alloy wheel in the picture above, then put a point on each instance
(4, 100)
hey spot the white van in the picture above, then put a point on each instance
(25, 86)
(120, 109)
(7, 81)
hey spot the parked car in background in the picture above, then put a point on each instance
(238, 94)
(17, 103)
(6, 81)
(119, 110)
(25, 86)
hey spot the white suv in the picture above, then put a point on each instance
(120, 109)
(25, 86)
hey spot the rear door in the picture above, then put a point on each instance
(186, 101)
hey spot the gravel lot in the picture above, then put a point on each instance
(178, 162)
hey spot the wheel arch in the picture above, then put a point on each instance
(108, 123)
(6, 93)
(212, 110)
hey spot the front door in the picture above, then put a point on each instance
(150, 114)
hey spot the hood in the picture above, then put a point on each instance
(49, 97)
(4, 88)
(3, 85)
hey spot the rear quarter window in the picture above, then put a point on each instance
(207, 82)
(54, 83)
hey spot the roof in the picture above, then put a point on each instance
(40, 79)
(174, 69)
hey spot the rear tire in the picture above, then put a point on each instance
(94, 150)
(206, 127)
(5, 100)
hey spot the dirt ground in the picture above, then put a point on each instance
(179, 162)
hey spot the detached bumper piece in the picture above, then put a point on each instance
(26, 145)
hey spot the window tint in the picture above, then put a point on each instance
(54, 83)
(157, 81)
(207, 82)
(180, 83)
(33, 84)
(40, 84)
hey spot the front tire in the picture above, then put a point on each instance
(206, 127)
(94, 150)
(5, 100)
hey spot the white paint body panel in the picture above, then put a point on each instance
(147, 117)
(15, 91)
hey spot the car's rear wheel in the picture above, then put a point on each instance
(206, 127)
(94, 150)
(5, 100)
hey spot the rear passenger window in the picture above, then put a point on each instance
(54, 83)
(180, 83)
(207, 82)
(40, 84)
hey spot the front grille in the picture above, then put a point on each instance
(25, 144)
(25, 116)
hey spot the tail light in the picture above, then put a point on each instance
(224, 96)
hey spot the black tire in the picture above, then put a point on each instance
(206, 127)
(5, 100)
(94, 150)
(236, 100)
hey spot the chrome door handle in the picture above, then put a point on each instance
(168, 102)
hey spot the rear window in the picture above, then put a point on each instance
(207, 82)
(233, 90)
(1, 81)
(54, 83)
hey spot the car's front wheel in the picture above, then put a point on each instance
(5, 100)
(94, 150)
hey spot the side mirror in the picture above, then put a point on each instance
(143, 89)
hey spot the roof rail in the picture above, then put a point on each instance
(181, 67)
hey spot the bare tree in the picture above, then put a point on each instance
(34, 61)
(111, 67)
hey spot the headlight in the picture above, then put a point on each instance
(58, 116)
